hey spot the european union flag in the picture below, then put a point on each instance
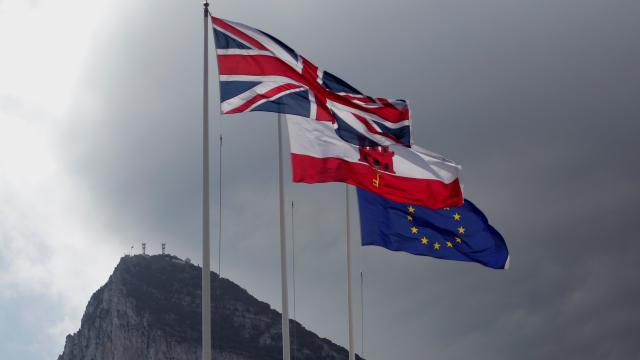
(460, 233)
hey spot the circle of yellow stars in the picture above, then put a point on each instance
(424, 240)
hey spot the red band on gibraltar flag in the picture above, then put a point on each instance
(424, 192)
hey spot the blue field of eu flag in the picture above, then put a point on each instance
(461, 233)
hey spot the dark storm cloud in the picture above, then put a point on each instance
(536, 99)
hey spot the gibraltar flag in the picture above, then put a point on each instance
(407, 175)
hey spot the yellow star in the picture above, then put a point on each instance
(456, 217)
(436, 246)
(411, 209)
(409, 217)
(424, 240)
(414, 230)
(461, 229)
(458, 240)
(449, 244)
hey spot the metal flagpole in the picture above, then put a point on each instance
(283, 251)
(362, 268)
(352, 346)
(293, 277)
(206, 266)
(362, 313)
(220, 206)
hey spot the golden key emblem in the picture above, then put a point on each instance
(376, 180)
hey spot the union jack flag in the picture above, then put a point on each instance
(260, 73)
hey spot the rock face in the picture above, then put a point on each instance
(150, 309)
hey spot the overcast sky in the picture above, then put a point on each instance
(538, 100)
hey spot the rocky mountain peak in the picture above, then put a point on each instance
(150, 309)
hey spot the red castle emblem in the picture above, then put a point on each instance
(380, 158)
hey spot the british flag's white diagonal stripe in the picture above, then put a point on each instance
(232, 36)
(319, 79)
(313, 111)
(280, 94)
(268, 43)
(358, 126)
(367, 104)
(372, 102)
(333, 105)
(243, 52)
(259, 89)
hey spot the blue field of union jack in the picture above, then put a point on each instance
(260, 73)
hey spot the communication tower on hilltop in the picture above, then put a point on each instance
(144, 248)
(164, 245)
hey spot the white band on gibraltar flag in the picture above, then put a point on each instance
(408, 175)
